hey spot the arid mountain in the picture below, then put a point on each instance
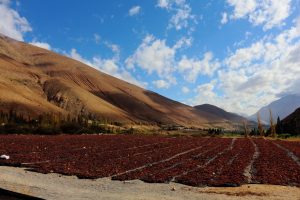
(236, 120)
(34, 81)
(220, 112)
(291, 124)
(281, 107)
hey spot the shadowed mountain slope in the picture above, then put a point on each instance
(34, 81)
(281, 107)
(220, 112)
(291, 124)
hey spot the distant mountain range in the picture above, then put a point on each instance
(281, 107)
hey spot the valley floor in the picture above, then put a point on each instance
(55, 186)
(193, 161)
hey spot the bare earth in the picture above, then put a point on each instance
(35, 81)
(54, 186)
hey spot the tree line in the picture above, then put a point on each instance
(274, 130)
(52, 123)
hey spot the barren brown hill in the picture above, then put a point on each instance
(220, 112)
(235, 119)
(34, 81)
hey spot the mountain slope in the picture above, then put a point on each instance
(281, 107)
(35, 81)
(291, 124)
(220, 112)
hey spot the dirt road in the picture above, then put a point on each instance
(54, 186)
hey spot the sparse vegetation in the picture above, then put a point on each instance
(12, 122)
(51, 124)
(245, 128)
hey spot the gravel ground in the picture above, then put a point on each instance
(55, 186)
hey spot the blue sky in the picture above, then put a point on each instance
(239, 55)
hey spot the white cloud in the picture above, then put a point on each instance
(182, 13)
(269, 13)
(206, 90)
(205, 94)
(181, 18)
(242, 8)
(134, 10)
(75, 55)
(43, 45)
(265, 50)
(256, 75)
(232, 102)
(192, 68)
(183, 42)
(153, 55)
(109, 66)
(185, 90)
(113, 47)
(97, 38)
(163, 3)
(161, 84)
(224, 19)
(245, 56)
(11, 23)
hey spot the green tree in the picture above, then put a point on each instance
(279, 126)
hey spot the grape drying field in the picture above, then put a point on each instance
(192, 161)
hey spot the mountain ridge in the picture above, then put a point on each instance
(221, 112)
(34, 81)
(281, 107)
(291, 124)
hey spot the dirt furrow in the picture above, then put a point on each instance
(250, 169)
